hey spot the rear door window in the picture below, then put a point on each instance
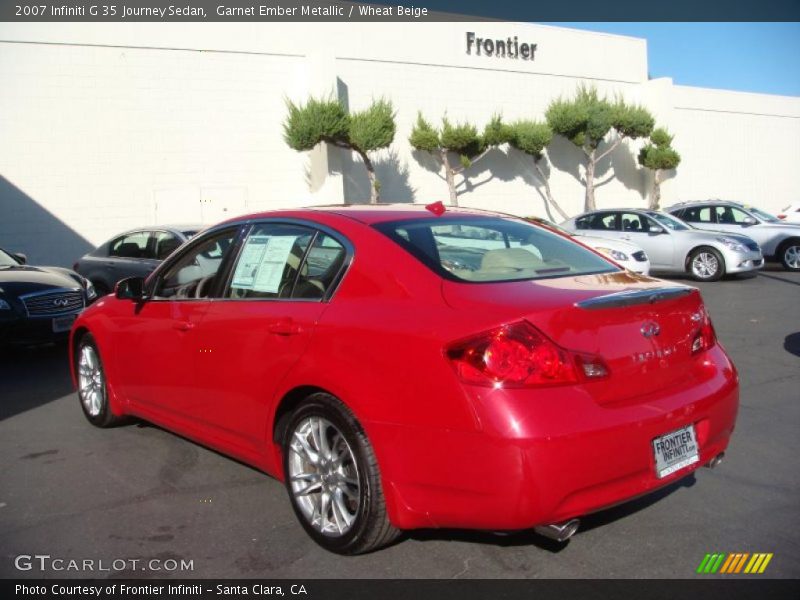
(284, 261)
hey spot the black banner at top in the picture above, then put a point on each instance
(378, 10)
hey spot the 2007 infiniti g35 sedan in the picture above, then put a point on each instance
(404, 368)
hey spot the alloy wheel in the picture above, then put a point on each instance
(791, 257)
(323, 476)
(705, 265)
(91, 384)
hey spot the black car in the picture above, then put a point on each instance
(135, 253)
(38, 304)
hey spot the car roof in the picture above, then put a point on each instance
(371, 214)
(173, 228)
(708, 201)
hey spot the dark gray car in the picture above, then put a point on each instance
(134, 253)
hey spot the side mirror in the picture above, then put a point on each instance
(130, 288)
(747, 221)
(656, 230)
(20, 258)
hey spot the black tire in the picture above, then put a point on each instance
(789, 254)
(707, 257)
(370, 528)
(93, 400)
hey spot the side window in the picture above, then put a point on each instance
(165, 244)
(582, 222)
(634, 223)
(324, 262)
(729, 215)
(272, 262)
(195, 273)
(132, 245)
(698, 214)
(603, 221)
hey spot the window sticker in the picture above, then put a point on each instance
(262, 262)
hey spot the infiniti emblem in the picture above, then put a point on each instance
(650, 329)
(60, 302)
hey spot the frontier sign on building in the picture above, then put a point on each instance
(507, 48)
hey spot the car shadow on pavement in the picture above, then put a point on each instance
(776, 278)
(32, 377)
(792, 343)
(529, 537)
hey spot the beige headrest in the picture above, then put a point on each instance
(510, 258)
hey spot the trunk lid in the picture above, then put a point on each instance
(642, 328)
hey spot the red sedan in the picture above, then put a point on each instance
(402, 368)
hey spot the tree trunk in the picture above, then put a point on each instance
(450, 175)
(374, 186)
(549, 201)
(655, 196)
(589, 200)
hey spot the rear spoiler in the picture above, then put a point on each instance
(631, 297)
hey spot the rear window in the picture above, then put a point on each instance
(493, 249)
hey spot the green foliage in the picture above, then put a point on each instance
(317, 121)
(461, 138)
(587, 119)
(659, 154)
(496, 132)
(424, 136)
(530, 137)
(373, 128)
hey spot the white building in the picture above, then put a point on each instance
(105, 127)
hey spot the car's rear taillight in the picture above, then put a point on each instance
(706, 337)
(519, 355)
(781, 216)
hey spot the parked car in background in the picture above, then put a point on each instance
(403, 368)
(626, 254)
(135, 253)
(790, 214)
(38, 304)
(779, 241)
(671, 245)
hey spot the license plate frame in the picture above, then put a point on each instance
(675, 451)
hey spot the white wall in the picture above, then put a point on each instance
(106, 127)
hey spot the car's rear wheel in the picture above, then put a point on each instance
(92, 388)
(789, 254)
(706, 264)
(333, 479)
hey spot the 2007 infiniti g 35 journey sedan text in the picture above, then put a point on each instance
(403, 368)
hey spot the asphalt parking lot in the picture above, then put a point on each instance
(69, 490)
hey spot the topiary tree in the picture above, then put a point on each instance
(326, 120)
(461, 139)
(587, 120)
(531, 138)
(659, 156)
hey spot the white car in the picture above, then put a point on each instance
(625, 254)
(790, 214)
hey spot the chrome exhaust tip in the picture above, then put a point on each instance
(559, 532)
(716, 461)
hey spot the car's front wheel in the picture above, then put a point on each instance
(706, 264)
(333, 479)
(789, 254)
(92, 388)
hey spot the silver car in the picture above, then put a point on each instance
(672, 245)
(779, 241)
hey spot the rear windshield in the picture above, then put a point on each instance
(491, 249)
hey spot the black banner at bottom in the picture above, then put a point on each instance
(389, 589)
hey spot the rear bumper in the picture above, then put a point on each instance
(542, 459)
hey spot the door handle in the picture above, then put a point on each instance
(183, 325)
(284, 327)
